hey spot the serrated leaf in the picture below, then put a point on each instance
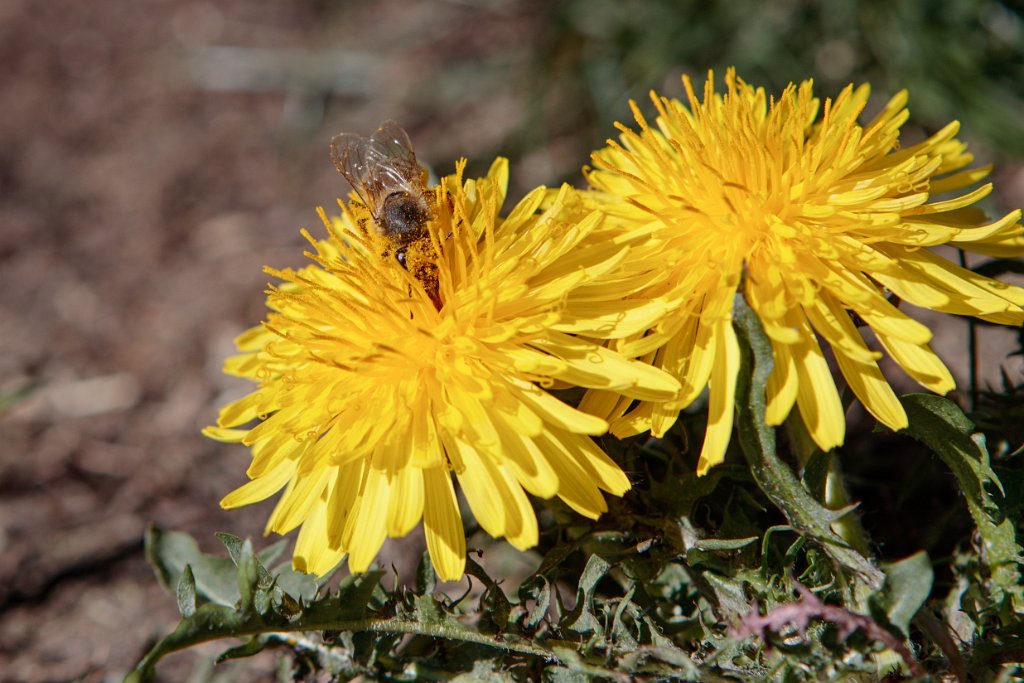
(352, 599)
(232, 543)
(186, 592)
(426, 577)
(538, 590)
(555, 558)
(247, 574)
(297, 585)
(729, 593)
(943, 427)
(577, 664)
(686, 669)
(235, 545)
(428, 610)
(623, 637)
(497, 608)
(170, 552)
(581, 619)
(908, 583)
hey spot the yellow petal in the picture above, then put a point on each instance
(601, 469)
(341, 503)
(243, 410)
(405, 502)
(921, 363)
(295, 502)
(371, 511)
(726, 366)
(782, 387)
(817, 398)
(312, 551)
(527, 462)
(593, 366)
(260, 488)
(225, 435)
(558, 414)
(636, 421)
(442, 525)
(577, 489)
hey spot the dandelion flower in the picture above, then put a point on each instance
(813, 217)
(374, 389)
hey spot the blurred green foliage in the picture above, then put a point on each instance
(960, 59)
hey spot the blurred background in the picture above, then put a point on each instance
(155, 155)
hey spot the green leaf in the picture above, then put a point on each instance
(908, 583)
(685, 668)
(297, 586)
(428, 610)
(581, 619)
(214, 577)
(186, 592)
(729, 594)
(724, 543)
(247, 575)
(496, 606)
(562, 674)
(943, 427)
(623, 637)
(426, 577)
(538, 590)
(251, 647)
(236, 550)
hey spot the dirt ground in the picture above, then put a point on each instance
(153, 157)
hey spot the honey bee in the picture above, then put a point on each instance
(383, 171)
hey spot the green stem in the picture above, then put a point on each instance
(757, 441)
(198, 630)
(833, 492)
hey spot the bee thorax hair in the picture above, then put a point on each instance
(403, 216)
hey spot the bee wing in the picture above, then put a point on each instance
(397, 166)
(350, 155)
(377, 165)
(394, 142)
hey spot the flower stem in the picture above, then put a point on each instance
(832, 491)
(757, 442)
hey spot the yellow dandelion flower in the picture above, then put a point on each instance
(376, 383)
(813, 217)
